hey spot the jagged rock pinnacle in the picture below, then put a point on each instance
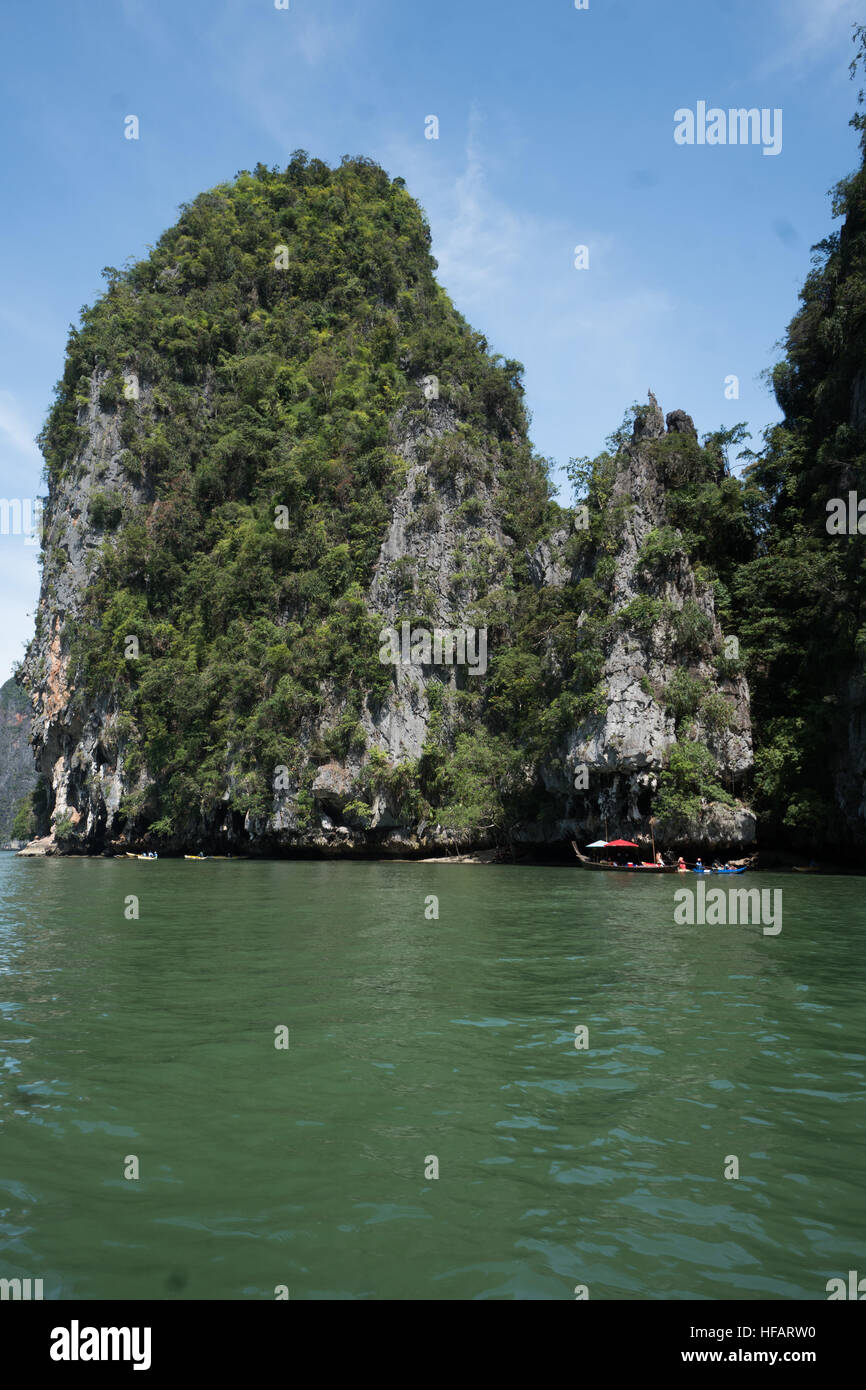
(678, 422)
(650, 422)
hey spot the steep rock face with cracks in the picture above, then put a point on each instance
(305, 588)
(673, 705)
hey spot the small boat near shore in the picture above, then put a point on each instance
(610, 867)
(623, 868)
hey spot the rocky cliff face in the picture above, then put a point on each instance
(17, 770)
(603, 776)
(70, 738)
(624, 748)
(430, 542)
(260, 714)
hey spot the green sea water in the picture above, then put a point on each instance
(411, 1039)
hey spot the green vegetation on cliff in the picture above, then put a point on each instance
(801, 601)
(792, 592)
(273, 346)
(261, 377)
(278, 332)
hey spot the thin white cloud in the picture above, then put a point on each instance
(317, 40)
(815, 27)
(17, 431)
(268, 79)
(484, 247)
(483, 241)
(491, 253)
(586, 337)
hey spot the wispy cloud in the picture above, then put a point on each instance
(489, 249)
(485, 246)
(281, 68)
(16, 430)
(315, 35)
(815, 28)
(318, 40)
(585, 336)
(483, 241)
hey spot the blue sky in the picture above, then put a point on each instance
(555, 129)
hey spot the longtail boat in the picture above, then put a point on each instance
(624, 868)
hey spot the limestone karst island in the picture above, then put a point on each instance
(275, 441)
(433, 675)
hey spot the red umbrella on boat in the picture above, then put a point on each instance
(621, 844)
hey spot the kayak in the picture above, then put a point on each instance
(719, 871)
